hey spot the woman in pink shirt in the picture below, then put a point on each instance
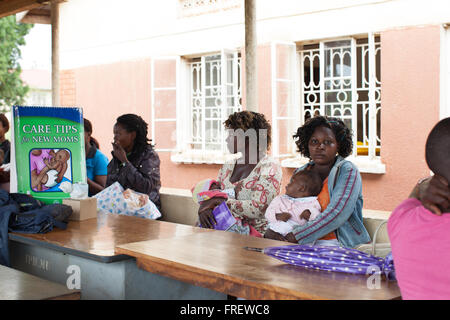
(419, 228)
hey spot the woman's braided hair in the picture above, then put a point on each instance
(132, 122)
(249, 120)
(342, 134)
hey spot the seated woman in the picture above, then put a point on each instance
(255, 176)
(96, 161)
(327, 141)
(135, 164)
(418, 227)
(434, 192)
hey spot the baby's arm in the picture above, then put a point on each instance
(276, 211)
(61, 171)
(312, 212)
(49, 165)
(306, 214)
(37, 179)
(283, 216)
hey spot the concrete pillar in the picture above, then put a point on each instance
(55, 52)
(251, 92)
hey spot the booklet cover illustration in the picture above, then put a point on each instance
(49, 151)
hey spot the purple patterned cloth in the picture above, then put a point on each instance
(334, 259)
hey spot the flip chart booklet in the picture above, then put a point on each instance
(47, 151)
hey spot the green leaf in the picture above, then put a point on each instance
(12, 89)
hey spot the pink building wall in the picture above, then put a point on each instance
(108, 91)
(410, 107)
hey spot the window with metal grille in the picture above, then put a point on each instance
(214, 94)
(342, 79)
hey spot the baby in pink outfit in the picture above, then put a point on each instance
(298, 205)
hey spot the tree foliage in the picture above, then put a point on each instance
(12, 89)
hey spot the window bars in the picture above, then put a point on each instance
(342, 79)
(214, 94)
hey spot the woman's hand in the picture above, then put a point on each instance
(96, 185)
(270, 234)
(119, 152)
(205, 214)
(434, 193)
(290, 237)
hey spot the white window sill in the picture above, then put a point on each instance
(212, 157)
(364, 164)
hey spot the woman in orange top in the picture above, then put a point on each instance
(327, 141)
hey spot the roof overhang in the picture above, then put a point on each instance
(39, 15)
(28, 11)
(10, 7)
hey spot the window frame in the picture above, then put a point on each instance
(370, 163)
(185, 152)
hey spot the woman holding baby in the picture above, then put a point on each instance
(254, 178)
(135, 164)
(327, 142)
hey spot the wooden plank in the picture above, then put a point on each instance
(39, 16)
(10, 7)
(218, 260)
(100, 236)
(18, 285)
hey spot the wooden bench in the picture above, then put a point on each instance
(178, 206)
(18, 285)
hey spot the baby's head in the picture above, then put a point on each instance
(305, 183)
(215, 185)
(201, 191)
(61, 156)
(437, 149)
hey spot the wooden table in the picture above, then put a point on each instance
(105, 274)
(17, 285)
(218, 260)
(96, 238)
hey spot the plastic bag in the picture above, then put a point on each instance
(115, 199)
(223, 216)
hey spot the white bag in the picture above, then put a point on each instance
(129, 202)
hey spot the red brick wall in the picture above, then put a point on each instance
(67, 89)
